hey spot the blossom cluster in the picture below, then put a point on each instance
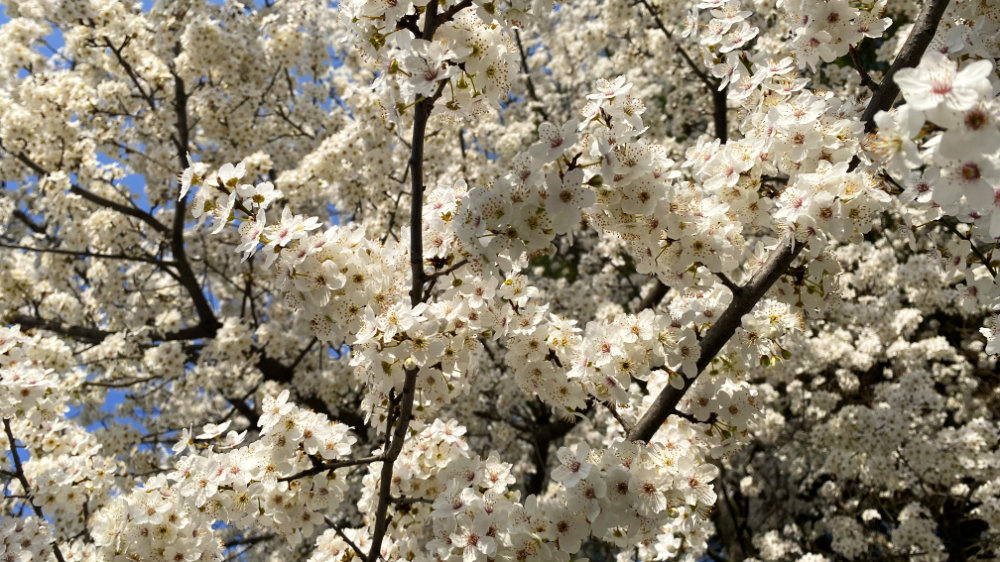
(467, 60)
(266, 482)
(722, 40)
(61, 462)
(629, 493)
(521, 212)
(828, 29)
(941, 147)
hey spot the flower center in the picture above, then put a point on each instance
(970, 171)
(941, 88)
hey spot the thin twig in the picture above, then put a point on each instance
(87, 254)
(626, 427)
(952, 226)
(324, 467)
(866, 78)
(336, 528)
(303, 353)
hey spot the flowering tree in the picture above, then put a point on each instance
(467, 280)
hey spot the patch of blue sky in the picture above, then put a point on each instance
(112, 400)
(136, 183)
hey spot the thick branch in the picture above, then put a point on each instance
(393, 449)
(542, 439)
(206, 315)
(79, 333)
(421, 113)
(913, 49)
(717, 336)
(720, 115)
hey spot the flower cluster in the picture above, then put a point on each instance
(613, 353)
(270, 481)
(63, 464)
(942, 145)
(467, 62)
(521, 212)
(722, 40)
(630, 493)
(826, 30)
(151, 523)
(27, 538)
(25, 386)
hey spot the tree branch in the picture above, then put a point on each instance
(705, 78)
(35, 227)
(19, 474)
(913, 49)
(147, 97)
(866, 79)
(717, 336)
(87, 254)
(206, 315)
(654, 296)
(336, 528)
(542, 437)
(394, 445)
(324, 467)
(248, 540)
(92, 197)
(532, 93)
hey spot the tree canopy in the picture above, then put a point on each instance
(486, 281)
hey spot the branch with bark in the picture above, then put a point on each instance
(779, 261)
(913, 49)
(717, 336)
(404, 403)
(23, 480)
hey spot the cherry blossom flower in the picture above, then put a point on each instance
(609, 89)
(936, 83)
